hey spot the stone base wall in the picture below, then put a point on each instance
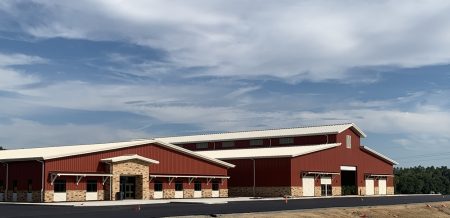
(260, 191)
(188, 193)
(223, 193)
(100, 195)
(22, 196)
(296, 191)
(206, 193)
(336, 190)
(151, 193)
(169, 193)
(76, 195)
(390, 190)
(376, 191)
(48, 196)
(317, 191)
(361, 190)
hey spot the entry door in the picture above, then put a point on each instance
(308, 185)
(382, 186)
(129, 191)
(370, 186)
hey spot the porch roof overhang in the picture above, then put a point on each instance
(319, 173)
(129, 157)
(79, 176)
(379, 175)
(189, 176)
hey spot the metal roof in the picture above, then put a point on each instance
(298, 131)
(376, 153)
(129, 157)
(47, 153)
(271, 152)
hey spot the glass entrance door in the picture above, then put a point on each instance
(128, 187)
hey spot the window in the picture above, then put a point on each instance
(91, 186)
(2, 187)
(158, 187)
(30, 186)
(215, 186)
(202, 145)
(284, 141)
(348, 141)
(326, 190)
(197, 186)
(256, 142)
(60, 185)
(15, 186)
(178, 186)
(227, 144)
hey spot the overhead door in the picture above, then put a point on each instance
(370, 186)
(308, 185)
(382, 186)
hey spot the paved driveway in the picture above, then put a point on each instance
(180, 209)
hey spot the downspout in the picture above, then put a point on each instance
(327, 138)
(6, 185)
(270, 142)
(43, 179)
(110, 181)
(254, 178)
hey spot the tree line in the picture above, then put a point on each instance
(422, 180)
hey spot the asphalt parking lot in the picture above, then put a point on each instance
(180, 209)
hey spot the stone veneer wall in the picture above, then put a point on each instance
(296, 191)
(376, 191)
(206, 193)
(169, 193)
(76, 195)
(188, 193)
(361, 190)
(132, 168)
(317, 191)
(48, 196)
(336, 190)
(390, 190)
(223, 193)
(100, 195)
(22, 196)
(260, 191)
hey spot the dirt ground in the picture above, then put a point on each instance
(437, 209)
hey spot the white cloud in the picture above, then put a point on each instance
(11, 78)
(293, 40)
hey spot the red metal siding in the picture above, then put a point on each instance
(22, 172)
(330, 161)
(171, 162)
(300, 140)
(269, 172)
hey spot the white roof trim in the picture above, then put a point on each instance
(321, 173)
(129, 157)
(379, 175)
(270, 152)
(258, 134)
(187, 176)
(82, 174)
(379, 155)
(47, 153)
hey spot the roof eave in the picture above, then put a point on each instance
(384, 157)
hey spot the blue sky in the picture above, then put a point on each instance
(99, 71)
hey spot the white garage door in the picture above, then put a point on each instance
(308, 185)
(382, 186)
(370, 186)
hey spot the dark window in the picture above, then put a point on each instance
(326, 190)
(215, 186)
(256, 142)
(30, 186)
(60, 185)
(202, 145)
(284, 141)
(2, 187)
(178, 186)
(197, 186)
(158, 187)
(15, 186)
(227, 144)
(91, 186)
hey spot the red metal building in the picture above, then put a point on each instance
(306, 161)
(144, 169)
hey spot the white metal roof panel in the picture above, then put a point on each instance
(129, 157)
(310, 130)
(271, 152)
